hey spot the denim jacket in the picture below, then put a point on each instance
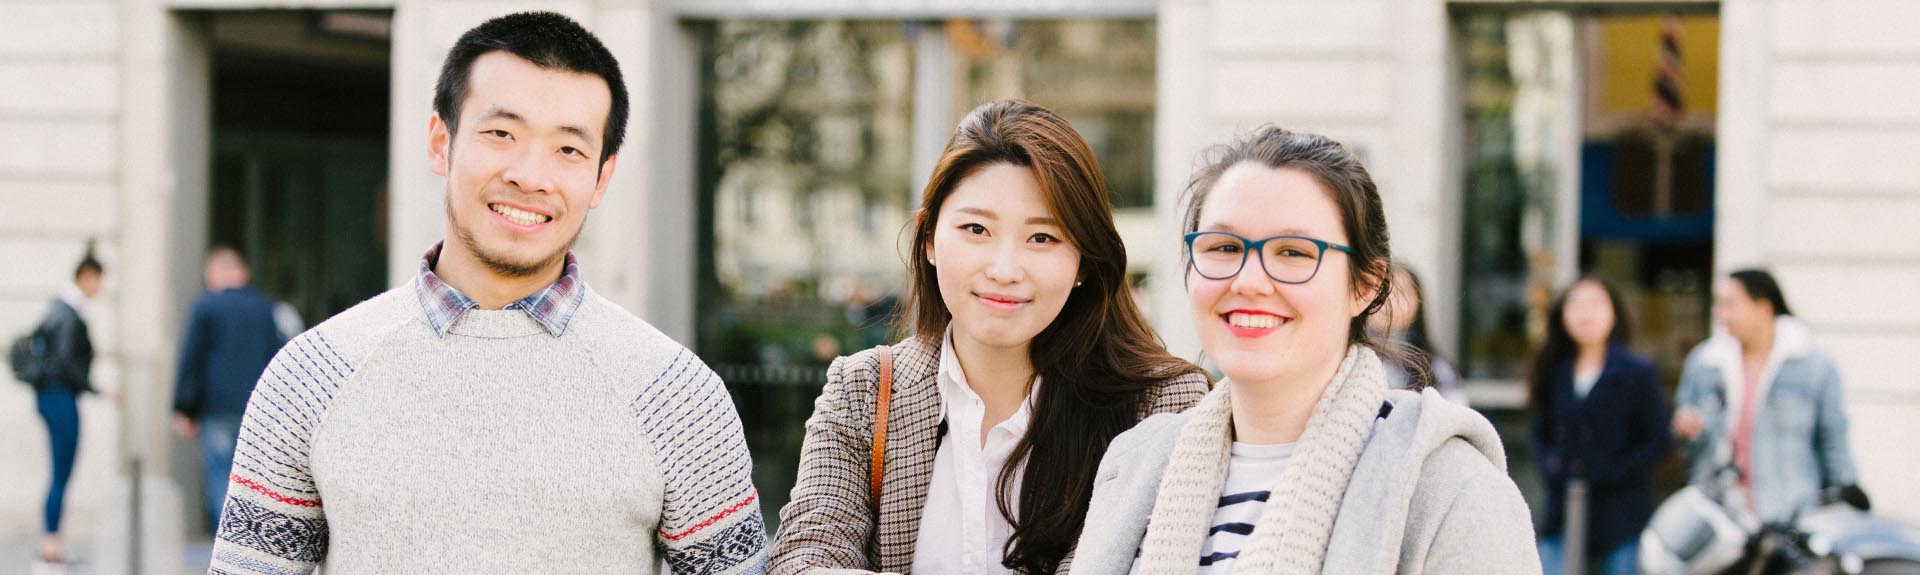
(1800, 426)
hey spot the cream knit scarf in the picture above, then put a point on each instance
(1291, 537)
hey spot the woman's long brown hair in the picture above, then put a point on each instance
(1099, 357)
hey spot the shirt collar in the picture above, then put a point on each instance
(953, 387)
(552, 307)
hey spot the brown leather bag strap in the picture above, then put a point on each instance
(880, 409)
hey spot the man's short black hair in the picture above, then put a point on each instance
(546, 39)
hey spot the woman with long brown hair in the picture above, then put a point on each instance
(1024, 347)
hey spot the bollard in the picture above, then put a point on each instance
(133, 525)
(1574, 537)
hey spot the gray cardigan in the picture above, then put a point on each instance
(1429, 494)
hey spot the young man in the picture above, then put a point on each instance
(231, 335)
(495, 414)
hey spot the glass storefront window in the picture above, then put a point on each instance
(1098, 74)
(804, 174)
(1590, 150)
(1509, 254)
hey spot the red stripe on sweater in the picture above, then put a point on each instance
(730, 510)
(295, 501)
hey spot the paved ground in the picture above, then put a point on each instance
(95, 522)
(16, 558)
(25, 464)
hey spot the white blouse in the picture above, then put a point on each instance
(961, 529)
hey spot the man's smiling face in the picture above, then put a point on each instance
(524, 163)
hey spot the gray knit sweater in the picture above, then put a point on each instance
(374, 444)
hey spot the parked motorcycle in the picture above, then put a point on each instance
(1708, 530)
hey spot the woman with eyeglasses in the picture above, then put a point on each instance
(1026, 357)
(1300, 460)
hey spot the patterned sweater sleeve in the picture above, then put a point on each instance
(710, 521)
(273, 522)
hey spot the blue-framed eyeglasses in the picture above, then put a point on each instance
(1286, 259)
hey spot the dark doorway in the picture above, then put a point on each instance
(299, 174)
(298, 167)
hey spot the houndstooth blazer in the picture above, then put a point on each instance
(828, 526)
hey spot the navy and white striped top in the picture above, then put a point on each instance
(1252, 473)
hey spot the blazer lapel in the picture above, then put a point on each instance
(914, 438)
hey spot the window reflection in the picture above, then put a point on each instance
(804, 190)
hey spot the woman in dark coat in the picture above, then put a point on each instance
(1599, 419)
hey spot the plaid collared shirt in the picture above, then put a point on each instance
(552, 307)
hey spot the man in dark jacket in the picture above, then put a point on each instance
(231, 335)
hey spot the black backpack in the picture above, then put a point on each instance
(28, 356)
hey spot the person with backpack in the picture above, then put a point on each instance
(56, 358)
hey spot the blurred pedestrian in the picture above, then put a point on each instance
(1758, 398)
(63, 372)
(1599, 419)
(1404, 321)
(231, 335)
